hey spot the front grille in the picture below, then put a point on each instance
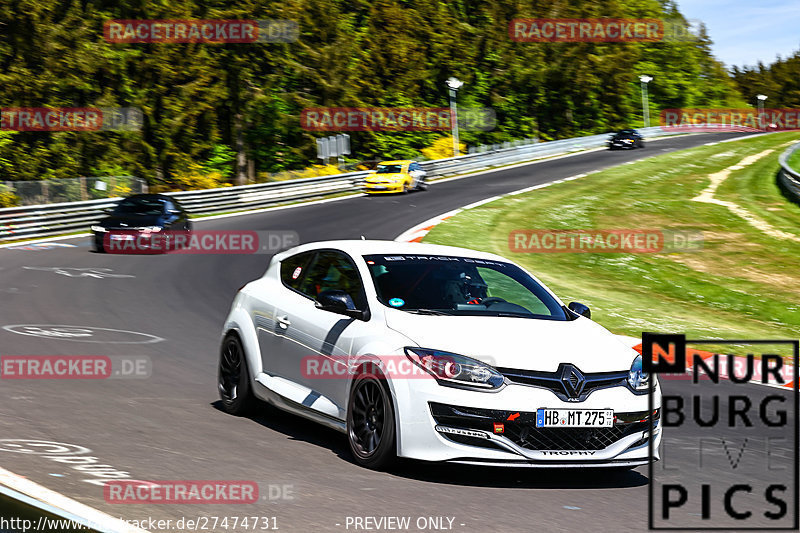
(532, 438)
(568, 382)
(523, 432)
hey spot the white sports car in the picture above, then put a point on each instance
(435, 353)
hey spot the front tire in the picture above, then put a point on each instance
(371, 423)
(233, 378)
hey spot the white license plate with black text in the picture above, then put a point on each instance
(573, 418)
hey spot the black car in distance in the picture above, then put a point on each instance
(142, 213)
(625, 140)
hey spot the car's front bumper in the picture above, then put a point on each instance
(438, 423)
(622, 146)
(383, 188)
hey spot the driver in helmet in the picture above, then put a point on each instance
(465, 288)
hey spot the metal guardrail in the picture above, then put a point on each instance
(18, 223)
(789, 178)
(62, 190)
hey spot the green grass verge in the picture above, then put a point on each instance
(744, 283)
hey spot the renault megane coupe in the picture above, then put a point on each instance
(435, 353)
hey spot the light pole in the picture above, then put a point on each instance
(645, 79)
(761, 98)
(454, 84)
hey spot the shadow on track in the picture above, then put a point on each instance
(520, 478)
(300, 429)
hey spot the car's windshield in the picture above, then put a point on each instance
(460, 286)
(390, 169)
(627, 132)
(140, 206)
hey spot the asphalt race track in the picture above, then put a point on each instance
(167, 427)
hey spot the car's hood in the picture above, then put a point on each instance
(521, 343)
(131, 221)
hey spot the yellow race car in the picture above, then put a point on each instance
(396, 176)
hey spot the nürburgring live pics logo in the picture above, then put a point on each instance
(729, 450)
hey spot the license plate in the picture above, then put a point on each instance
(121, 237)
(379, 188)
(573, 418)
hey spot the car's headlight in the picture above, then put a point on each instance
(453, 369)
(150, 229)
(638, 379)
(99, 229)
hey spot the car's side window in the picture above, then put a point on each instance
(334, 271)
(293, 269)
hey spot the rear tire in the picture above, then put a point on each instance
(371, 423)
(233, 378)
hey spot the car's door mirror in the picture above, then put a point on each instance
(337, 301)
(581, 309)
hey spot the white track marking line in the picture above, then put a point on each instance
(45, 239)
(417, 232)
(717, 178)
(279, 207)
(60, 505)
